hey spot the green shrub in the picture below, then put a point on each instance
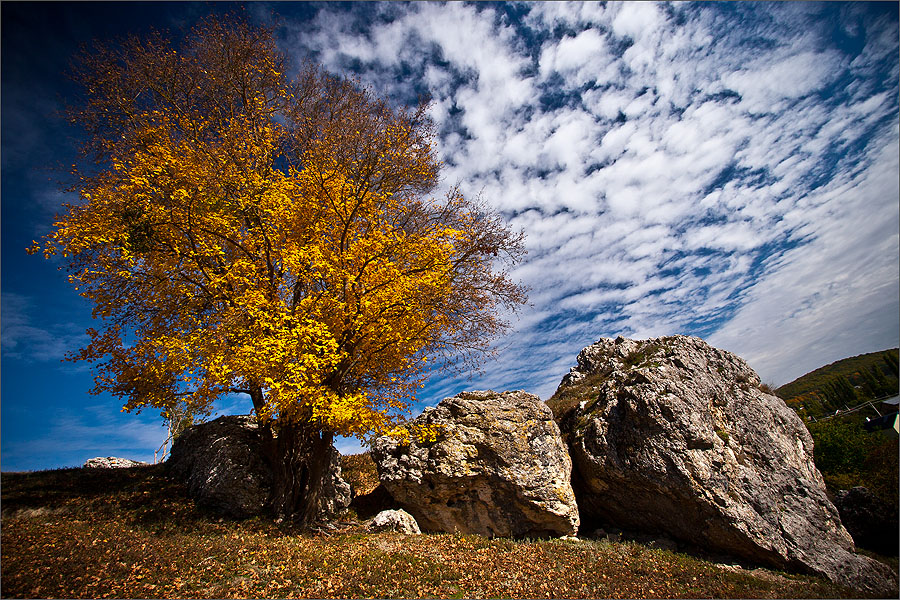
(847, 455)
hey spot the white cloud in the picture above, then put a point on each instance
(837, 295)
(606, 103)
(22, 338)
(636, 19)
(580, 59)
(570, 143)
(727, 237)
(677, 218)
(763, 85)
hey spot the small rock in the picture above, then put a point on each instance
(112, 462)
(395, 520)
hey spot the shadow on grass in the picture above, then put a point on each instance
(143, 496)
(51, 489)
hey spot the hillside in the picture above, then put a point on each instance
(847, 382)
(845, 453)
(133, 533)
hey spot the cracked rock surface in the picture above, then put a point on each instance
(222, 464)
(498, 468)
(673, 436)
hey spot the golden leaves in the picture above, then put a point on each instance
(132, 533)
(276, 238)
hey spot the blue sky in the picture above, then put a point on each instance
(725, 170)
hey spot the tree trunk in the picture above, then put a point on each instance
(300, 459)
(300, 456)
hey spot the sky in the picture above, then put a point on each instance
(723, 170)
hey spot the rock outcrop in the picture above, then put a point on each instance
(395, 520)
(222, 464)
(498, 468)
(871, 521)
(112, 462)
(674, 436)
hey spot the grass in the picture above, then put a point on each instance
(566, 398)
(643, 355)
(80, 533)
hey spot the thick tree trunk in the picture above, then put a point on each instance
(299, 456)
(300, 465)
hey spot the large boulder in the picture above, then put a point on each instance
(498, 468)
(672, 436)
(222, 463)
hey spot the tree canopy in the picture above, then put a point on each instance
(244, 226)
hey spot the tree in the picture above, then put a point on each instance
(847, 455)
(177, 417)
(241, 231)
(890, 360)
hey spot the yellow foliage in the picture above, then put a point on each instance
(259, 245)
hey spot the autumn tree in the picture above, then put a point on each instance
(240, 230)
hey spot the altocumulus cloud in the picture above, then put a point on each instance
(728, 171)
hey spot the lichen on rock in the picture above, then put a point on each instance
(673, 436)
(498, 468)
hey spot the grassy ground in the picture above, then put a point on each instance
(82, 533)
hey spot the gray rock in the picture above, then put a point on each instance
(336, 493)
(871, 521)
(223, 466)
(112, 462)
(674, 436)
(498, 468)
(395, 520)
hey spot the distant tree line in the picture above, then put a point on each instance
(845, 453)
(848, 456)
(844, 384)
